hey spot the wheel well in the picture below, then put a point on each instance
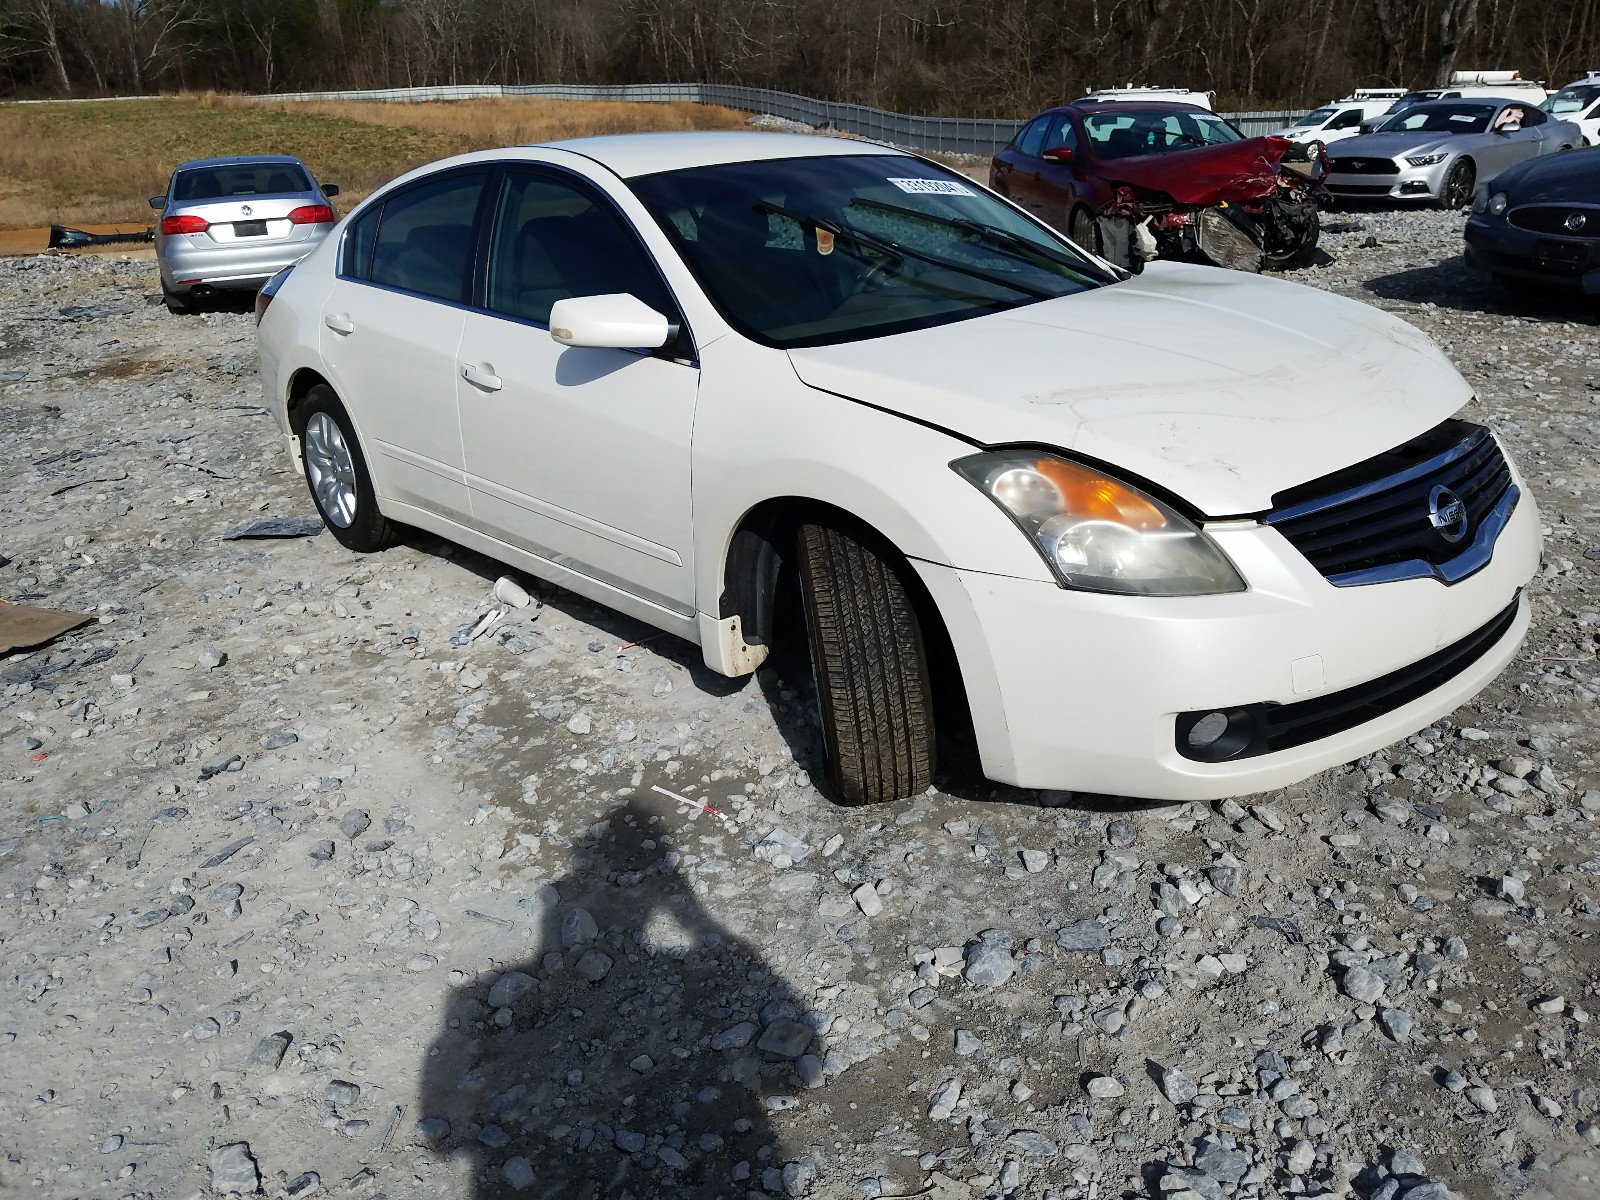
(300, 385)
(761, 587)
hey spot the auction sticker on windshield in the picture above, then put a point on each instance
(935, 187)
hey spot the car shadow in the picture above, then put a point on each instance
(1454, 285)
(639, 1052)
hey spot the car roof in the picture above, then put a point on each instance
(1454, 101)
(633, 154)
(235, 160)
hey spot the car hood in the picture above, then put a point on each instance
(1392, 145)
(1234, 171)
(1222, 387)
(1572, 178)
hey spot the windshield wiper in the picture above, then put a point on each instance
(896, 250)
(994, 235)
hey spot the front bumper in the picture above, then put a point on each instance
(188, 262)
(1407, 183)
(1082, 692)
(1494, 244)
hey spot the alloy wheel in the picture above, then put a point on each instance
(330, 469)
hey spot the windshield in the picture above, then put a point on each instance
(1572, 99)
(1441, 118)
(1154, 131)
(239, 179)
(812, 251)
(1314, 118)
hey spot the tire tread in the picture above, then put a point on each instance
(871, 668)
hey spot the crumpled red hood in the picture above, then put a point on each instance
(1232, 172)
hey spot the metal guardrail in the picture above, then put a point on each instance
(950, 135)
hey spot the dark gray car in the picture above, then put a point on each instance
(234, 223)
(1438, 151)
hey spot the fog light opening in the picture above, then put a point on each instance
(1204, 732)
(1216, 736)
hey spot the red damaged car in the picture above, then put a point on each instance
(1134, 182)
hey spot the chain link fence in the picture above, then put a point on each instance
(949, 135)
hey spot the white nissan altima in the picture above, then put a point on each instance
(1186, 534)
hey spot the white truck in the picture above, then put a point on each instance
(1579, 102)
(1169, 95)
(1508, 85)
(1340, 119)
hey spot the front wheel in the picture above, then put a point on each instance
(1085, 230)
(873, 688)
(1457, 189)
(336, 473)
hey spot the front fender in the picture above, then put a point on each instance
(761, 434)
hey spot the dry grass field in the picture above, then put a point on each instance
(74, 164)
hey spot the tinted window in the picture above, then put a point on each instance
(554, 239)
(1032, 141)
(239, 179)
(813, 251)
(1059, 131)
(358, 240)
(1532, 117)
(425, 237)
(1348, 119)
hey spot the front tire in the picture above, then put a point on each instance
(336, 472)
(1456, 192)
(1084, 230)
(873, 688)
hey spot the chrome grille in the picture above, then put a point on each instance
(1394, 516)
(1564, 220)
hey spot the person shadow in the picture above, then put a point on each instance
(635, 1056)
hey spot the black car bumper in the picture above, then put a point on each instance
(1494, 244)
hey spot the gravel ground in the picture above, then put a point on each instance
(301, 895)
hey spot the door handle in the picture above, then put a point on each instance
(481, 376)
(339, 323)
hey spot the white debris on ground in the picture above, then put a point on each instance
(301, 895)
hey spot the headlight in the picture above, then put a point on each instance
(1098, 534)
(1497, 204)
(1427, 160)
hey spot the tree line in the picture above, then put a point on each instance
(949, 57)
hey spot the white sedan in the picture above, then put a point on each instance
(1184, 535)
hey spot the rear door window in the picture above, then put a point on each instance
(426, 237)
(1348, 119)
(554, 239)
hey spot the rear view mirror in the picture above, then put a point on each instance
(1060, 154)
(158, 202)
(618, 322)
(330, 190)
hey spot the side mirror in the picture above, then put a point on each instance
(330, 190)
(618, 322)
(1059, 154)
(158, 202)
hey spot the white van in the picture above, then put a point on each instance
(1168, 95)
(1579, 103)
(1507, 85)
(1341, 119)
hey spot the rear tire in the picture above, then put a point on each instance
(1456, 192)
(873, 689)
(336, 473)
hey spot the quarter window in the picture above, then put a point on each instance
(554, 240)
(425, 238)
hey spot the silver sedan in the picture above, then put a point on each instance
(1438, 151)
(234, 223)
